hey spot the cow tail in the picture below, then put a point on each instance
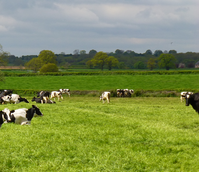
(109, 95)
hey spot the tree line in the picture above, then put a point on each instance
(119, 59)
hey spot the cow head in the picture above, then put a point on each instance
(187, 98)
(37, 111)
(23, 100)
(3, 117)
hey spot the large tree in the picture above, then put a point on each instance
(151, 63)
(111, 62)
(34, 64)
(166, 61)
(100, 59)
(47, 56)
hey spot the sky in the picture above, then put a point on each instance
(62, 26)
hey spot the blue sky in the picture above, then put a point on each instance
(30, 26)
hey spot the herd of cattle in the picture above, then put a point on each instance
(24, 116)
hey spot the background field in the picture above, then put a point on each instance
(104, 82)
(82, 134)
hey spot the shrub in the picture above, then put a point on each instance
(50, 67)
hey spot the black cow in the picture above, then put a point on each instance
(44, 95)
(39, 100)
(193, 99)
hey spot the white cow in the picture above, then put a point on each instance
(182, 95)
(105, 96)
(57, 94)
(65, 91)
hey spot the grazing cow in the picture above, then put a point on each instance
(39, 100)
(124, 92)
(193, 99)
(182, 95)
(105, 96)
(22, 116)
(44, 95)
(57, 94)
(65, 91)
(13, 98)
(3, 117)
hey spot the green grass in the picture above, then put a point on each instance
(83, 134)
(104, 82)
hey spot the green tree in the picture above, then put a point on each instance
(157, 53)
(121, 65)
(151, 63)
(89, 64)
(50, 67)
(166, 61)
(100, 59)
(111, 62)
(139, 65)
(148, 52)
(3, 56)
(34, 64)
(47, 56)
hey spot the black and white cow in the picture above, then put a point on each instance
(13, 98)
(65, 91)
(55, 94)
(22, 116)
(44, 95)
(105, 96)
(182, 95)
(193, 99)
(40, 100)
(120, 93)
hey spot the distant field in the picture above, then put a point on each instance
(104, 82)
(82, 134)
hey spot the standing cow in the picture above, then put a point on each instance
(105, 96)
(193, 99)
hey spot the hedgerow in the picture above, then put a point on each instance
(170, 72)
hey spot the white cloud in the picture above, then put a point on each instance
(63, 25)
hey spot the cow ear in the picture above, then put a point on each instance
(33, 106)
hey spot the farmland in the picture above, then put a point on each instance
(103, 82)
(82, 134)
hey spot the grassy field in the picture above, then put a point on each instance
(103, 82)
(82, 134)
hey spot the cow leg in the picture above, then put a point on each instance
(25, 123)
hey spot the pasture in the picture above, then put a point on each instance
(82, 134)
(103, 82)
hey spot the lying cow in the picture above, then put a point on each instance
(182, 95)
(65, 91)
(105, 96)
(55, 94)
(193, 99)
(44, 95)
(13, 98)
(40, 100)
(22, 116)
